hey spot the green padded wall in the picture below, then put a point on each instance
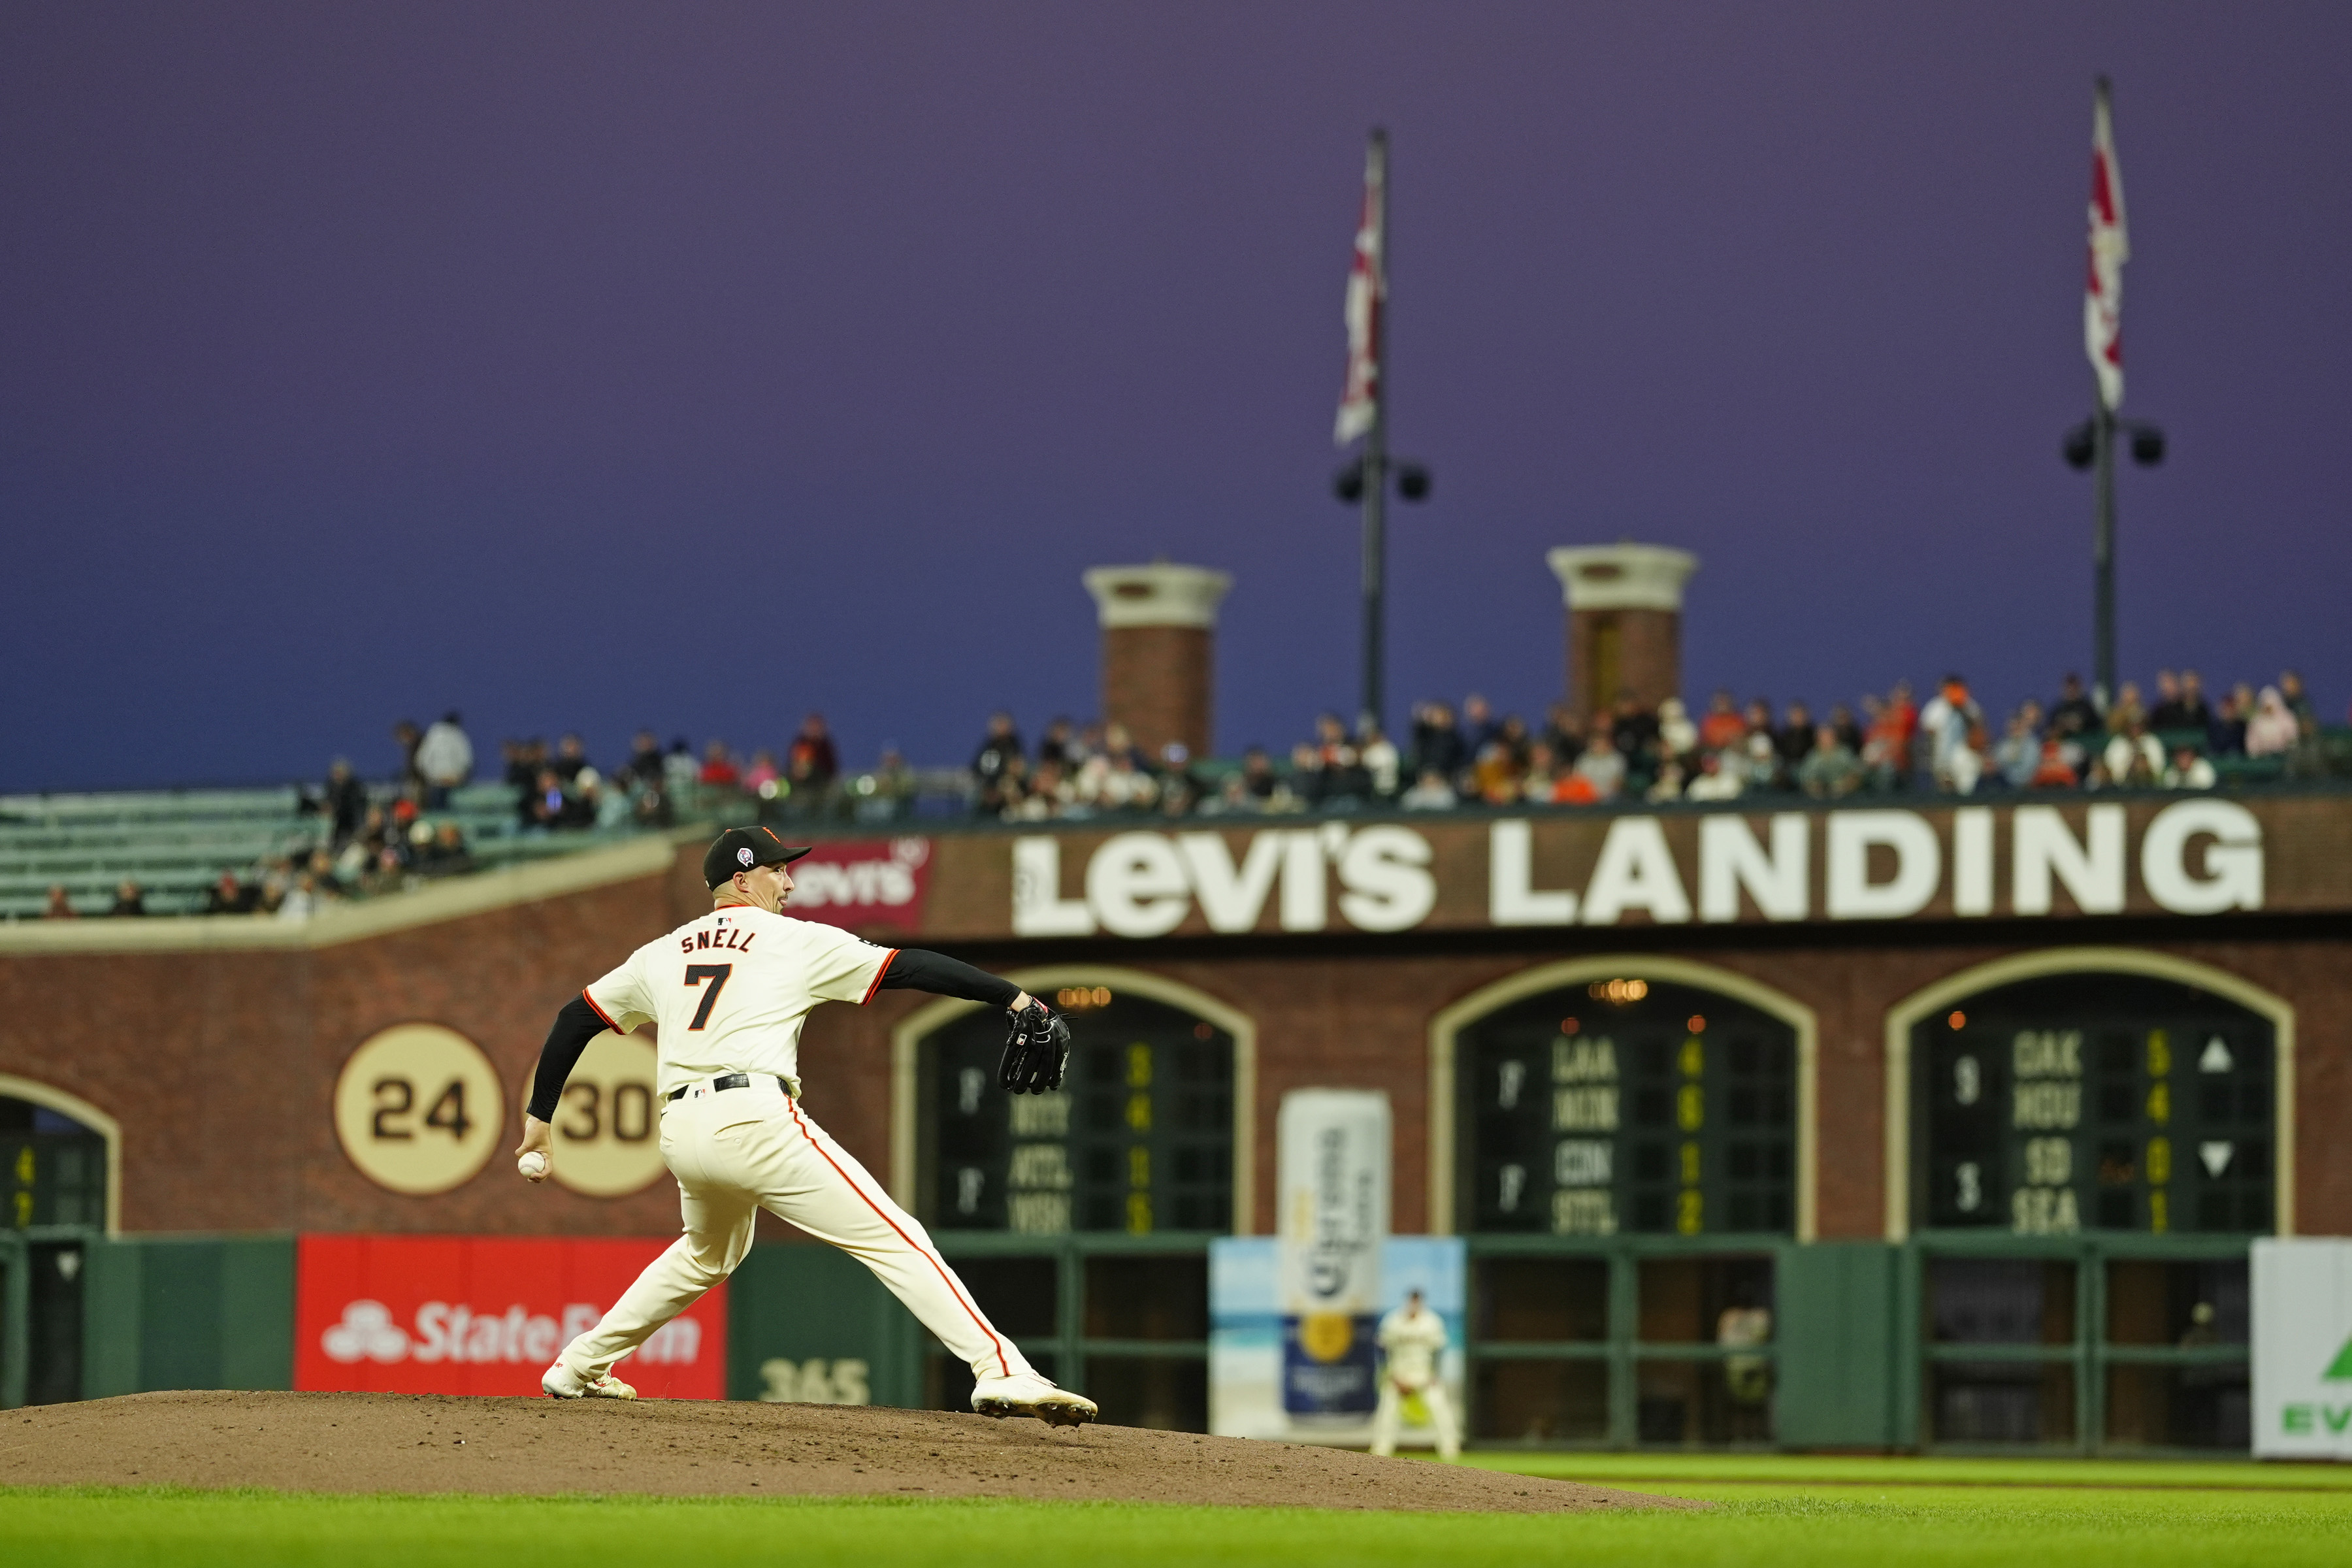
(15, 1299)
(188, 1312)
(788, 1307)
(1837, 1345)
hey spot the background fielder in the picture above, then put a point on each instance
(1413, 1338)
(728, 994)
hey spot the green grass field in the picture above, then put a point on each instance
(1816, 1512)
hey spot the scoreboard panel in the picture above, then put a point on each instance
(1139, 1138)
(2095, 1101)
(1628, 1104)
(52, 1168)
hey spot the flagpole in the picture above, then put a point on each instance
(2104, 490)
(2106, 387)
(2093, 443)
(2103, 555)
(1376, 462)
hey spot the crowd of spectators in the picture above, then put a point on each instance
(1453, 757)
(657, 786)
(390, 850)
(2176, 737)
(372, 841)
(363, 847)
(558, 789)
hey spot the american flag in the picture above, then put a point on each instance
(2103, 301)
(1368, 287)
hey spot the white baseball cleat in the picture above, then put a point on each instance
(1026, 1393)
(558, 1382)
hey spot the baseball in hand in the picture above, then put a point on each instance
(533, 1166)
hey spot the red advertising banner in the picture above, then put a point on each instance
(879, 882)
(465, 1314)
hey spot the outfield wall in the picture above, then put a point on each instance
(213, 1045)
(1385, 954)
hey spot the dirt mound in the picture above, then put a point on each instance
(411, 1443)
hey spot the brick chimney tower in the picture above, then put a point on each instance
(1624, 621)
(1159, 637)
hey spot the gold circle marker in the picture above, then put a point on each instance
(607, 1127)
(418, 1109)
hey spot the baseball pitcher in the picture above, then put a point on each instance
(728, 994)
(1413, 1337)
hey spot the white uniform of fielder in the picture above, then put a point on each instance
(1413, 1338)
(728, 993)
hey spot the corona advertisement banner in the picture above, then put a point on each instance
(1333, 1154)
(484, 1315)
(1251, 1354)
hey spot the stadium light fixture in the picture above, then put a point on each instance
(1411, 479)
(2082, 445)
(2092, 444)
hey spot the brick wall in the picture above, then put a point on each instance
(1157, 681)
(221, 1066)
(1648, 658)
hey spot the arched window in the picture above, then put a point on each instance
(1639, 1101)
(1140, 1138)
(2041, 1101)
(2093, 1099)
(54, 1159)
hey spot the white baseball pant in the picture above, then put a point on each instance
(1390, 1414)
(735, 1152)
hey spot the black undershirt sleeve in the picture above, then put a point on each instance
(574, 1027)
(912, 969)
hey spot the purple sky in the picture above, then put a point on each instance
(591, 366)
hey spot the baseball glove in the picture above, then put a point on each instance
(1036, 1044)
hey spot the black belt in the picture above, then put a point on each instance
(724, 1080)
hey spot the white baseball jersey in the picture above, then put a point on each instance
(1412, 1341)
(728, 991)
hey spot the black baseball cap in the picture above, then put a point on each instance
(740, 848)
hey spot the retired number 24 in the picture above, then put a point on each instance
(395, 1102)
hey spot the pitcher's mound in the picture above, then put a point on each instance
(411, 1443)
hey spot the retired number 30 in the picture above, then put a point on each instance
(631, 1112)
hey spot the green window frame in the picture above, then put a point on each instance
(1627, 1356)
(2088, 1357)
(1101, 1327)
(1194, 1080)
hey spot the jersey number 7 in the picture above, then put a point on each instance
(717, 975)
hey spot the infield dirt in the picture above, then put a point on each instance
(426, 1443)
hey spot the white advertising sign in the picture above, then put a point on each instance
(2303, 1348)
(1144, 884)
(1332, 1164)
(2196, 857)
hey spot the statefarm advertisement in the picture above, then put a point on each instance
(463, 1314)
